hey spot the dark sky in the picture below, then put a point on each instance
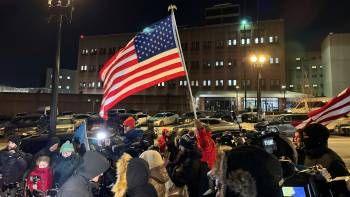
(28, 41)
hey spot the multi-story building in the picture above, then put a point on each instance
(305, 73)
(67, 81)
(216, 57)
(336, 58)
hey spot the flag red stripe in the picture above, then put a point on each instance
(127, 64)
(142, 77)
(142, 87)
(115, 65)
(139, 69)
(330, 112)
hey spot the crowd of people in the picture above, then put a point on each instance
(178, 163)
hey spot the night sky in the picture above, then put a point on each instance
(28, 41)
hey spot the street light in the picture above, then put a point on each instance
(58, 11)
(258, 62)
(283, 87)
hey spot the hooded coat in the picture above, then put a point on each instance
(63, 168)
(158, 175)
(121, 186)
(12, 166)
(46, 150)
(137, 176)
(93, 164)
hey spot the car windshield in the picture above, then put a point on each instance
(64, 121)
(159, 115)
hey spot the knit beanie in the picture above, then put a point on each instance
(15, 139)
(67, 147)
(187, 141)
(54, 140)
(153, 158)
(129, 122)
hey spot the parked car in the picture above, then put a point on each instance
(284, 123)
(80, 117)
(217, 126)
(141, 119)
(65, 124)
(338, 122)
(164, 118)
(23, 126)
(4, 120)
(189, 117)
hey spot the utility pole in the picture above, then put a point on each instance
(58, 11)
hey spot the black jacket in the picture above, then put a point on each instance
(333, 163)
(12, 166)
(93, 164)
(189, 170)
(137, 176)
(63, 168)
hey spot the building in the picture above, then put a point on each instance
(217, 61)
(67, 81)
(336, 58)
(305, 73)
(223, 13)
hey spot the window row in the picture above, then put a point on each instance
(92, 84)
(62, 87)
(61, 77)
(100, 51)
(90, 68)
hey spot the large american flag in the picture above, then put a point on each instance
(332, 110)
(151, 57)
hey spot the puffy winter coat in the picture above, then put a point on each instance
(63, 168)
(207, 147)
(44, 178)
(158, 178)
(12, 166)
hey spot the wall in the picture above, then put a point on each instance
(13, 103)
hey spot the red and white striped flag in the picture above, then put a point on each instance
(151, 57)
(332, 110)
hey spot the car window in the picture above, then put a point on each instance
(213, 121)
(169, 114)
(159, 115)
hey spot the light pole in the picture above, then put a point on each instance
(258, 62)
(283, 87)
(237, 100)
(58, 11)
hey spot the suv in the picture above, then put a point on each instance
(284, 123)
(164, 118)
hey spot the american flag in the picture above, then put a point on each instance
(151, 57)
(332, 110)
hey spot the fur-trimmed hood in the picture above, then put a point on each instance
(121, 185)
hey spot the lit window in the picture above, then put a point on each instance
(216, 82)
(59, 87)
(67, 87)
(234, 82)
(298, 67)
(185, 83)
(68, 77)
(208, 64)
(221, 82)
(262, 40)
(221, 63)
(248, 40)
(234, 42)
(50, 86)
(82, 68)
(180, 83)
(60, 77)
(217, 63)
(243, 41)
(276, 39)
(204, 83)
(321, 66)
(291, 86)
(99, 84)
(51, 76)
(163, 84)
(229, 42)
(209, 83)
(256, 40)
(229, 82)
(271, 39)
(229, 63)
(277, 61)
(192, 83)
(314, 85)
(271, 60)
(307, 85)
(297, 59)
(197, 84)
(313, 67)
(93, 84)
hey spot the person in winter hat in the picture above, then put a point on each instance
(12, 164)
(315, 145)
(120, 187)
(137, 177)
(131, 135)
(158, 175)
(205, 143)
(92, 167)
(251, 172)
(51, 149)
(40, 179)
(65, 164)
(188, 169)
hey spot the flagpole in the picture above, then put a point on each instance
(178, 44)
